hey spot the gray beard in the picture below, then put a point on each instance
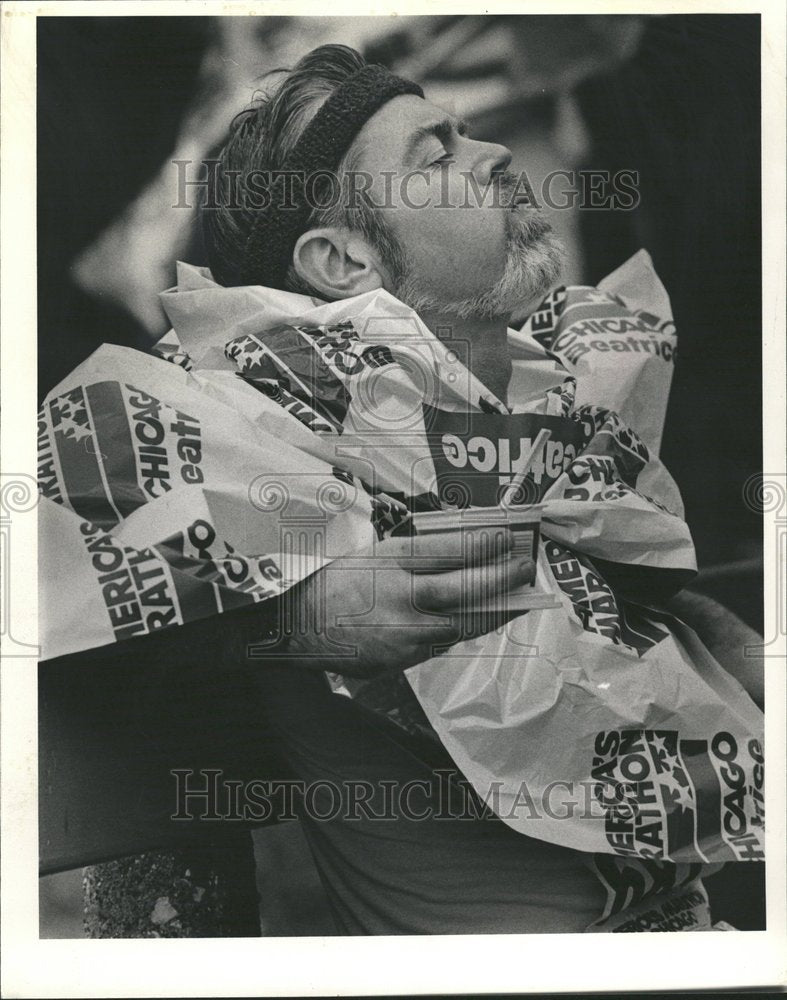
(534, 261)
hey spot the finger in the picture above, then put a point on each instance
(459, 626)
(471, 625)
(452, 550)
(471, 587)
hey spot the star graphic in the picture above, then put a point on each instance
(63, 409)
(659, 745)
(70, 407)
(251, 356)
(71, 429)
(667, 754)
(678, 792)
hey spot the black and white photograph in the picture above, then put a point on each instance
(405, 412)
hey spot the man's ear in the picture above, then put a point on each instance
(337, 263)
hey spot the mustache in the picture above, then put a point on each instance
(526, 228)
(514, 190)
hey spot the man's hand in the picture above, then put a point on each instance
(397, 604)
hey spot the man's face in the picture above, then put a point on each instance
(471, 246)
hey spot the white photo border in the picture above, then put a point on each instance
(347, 966)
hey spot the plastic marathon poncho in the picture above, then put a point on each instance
(275, 433)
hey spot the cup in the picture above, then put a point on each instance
(524, 523)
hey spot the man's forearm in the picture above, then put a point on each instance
(726, 637)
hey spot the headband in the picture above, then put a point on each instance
(324, 142)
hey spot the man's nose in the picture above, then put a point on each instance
(493, 161)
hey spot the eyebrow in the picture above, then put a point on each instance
(442, 130)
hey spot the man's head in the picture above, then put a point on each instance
(419, 208)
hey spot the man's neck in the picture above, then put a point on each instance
(480, 344)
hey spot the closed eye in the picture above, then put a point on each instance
(441, 160)
(444, 131)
